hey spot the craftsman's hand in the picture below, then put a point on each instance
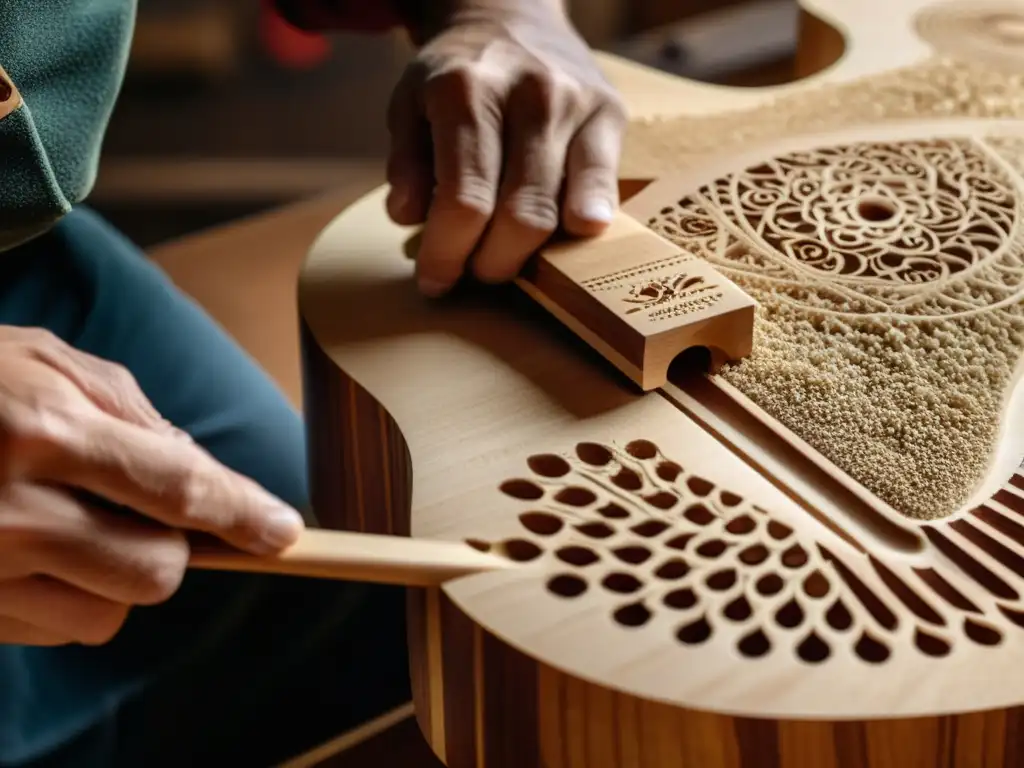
(502, 128)
(72, 423)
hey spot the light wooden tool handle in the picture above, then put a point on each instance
(357, 557)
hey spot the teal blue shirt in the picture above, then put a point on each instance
(67, 59)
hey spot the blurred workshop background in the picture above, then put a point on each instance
(227, 111)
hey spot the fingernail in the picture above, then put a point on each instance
(432, 288)
(597, 210)
(283, 527)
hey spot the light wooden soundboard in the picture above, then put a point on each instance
(812, 557)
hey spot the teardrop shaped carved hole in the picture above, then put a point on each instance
(741, 525)
(738, 610)
(680, 542)
(541, 523)
(778, 531)
(695, 633)
(712, 549)
(982, 634)
(790, 615)
(650, 528)
(522, 489)
(729, 499)
(578, 556)
(576, 496)
(628, 480)
(632, 615)
(770, 584)
(813, 649)
(662, 500)
(722, 580)
(634, 555)
(479, 545)
(521, 550)
(754, 645)
(795, 557)
(623, 583)
(699, 514)
(816, 585)
(699, 486)
(593, 454)
(871, 650)
(931, 645)
(754, 555)
(596, 530)
(680, 599)
(673, 569)
(548, 465)
(566, 585)
(613, 511)
(669, 471)
(642, 449)
(839, 616)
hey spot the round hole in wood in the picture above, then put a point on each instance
(593, 454)
(623, 583)
(696, 632)
(672, 569)
(632, 615)
(669, 471)
(541, 523)
(699, 514)
(662, 500)
(738, 610)
(930, 645)
(721, 580)
(521, 550)
(566, 585)
(770, 584)
(754, 555)
(634, 555)
(522, 489)
(982, 634)
(754, 645)
(699, 486)
(790, 615)
(578, 556)
(876, 209)
(576, 496)
(628, 480)
(712, 549)
(613, 511)
(650, 528)
(680, 599)
(596, 530)
(871, 650)
(813, 649)
(741, 525)
(548, 465)
(642, 449)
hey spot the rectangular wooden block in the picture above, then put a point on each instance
(640, 300)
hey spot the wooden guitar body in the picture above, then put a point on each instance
(810, 558)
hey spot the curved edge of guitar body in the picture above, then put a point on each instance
(674, 607)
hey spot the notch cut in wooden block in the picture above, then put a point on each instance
(641, 301)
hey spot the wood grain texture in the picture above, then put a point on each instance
(701, 584)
